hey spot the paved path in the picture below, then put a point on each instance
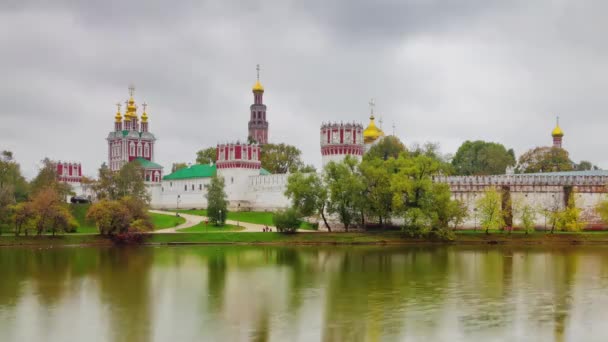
(193, 220)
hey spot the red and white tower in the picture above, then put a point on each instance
(131, 140)
(236, 162)
(69, 172)
(258, 126)
(339, 140)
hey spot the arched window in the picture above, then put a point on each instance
(146, 150)
(139, 151)
(186, 187)
(132, 149)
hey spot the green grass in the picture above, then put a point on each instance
(79, 211)
(161, 221)
(209, 228)
(257, 217)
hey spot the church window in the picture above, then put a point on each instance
(232, 180)
(192, 187)
(186, 187)
(147, 177)
(200, 187)
(146, 150)
(170, 184)
(162, 189)
(139, 150)
(132, 149)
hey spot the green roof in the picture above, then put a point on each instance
(199, 171)
(194, 171)
(146, 164)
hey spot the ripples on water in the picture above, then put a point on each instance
(253, 293)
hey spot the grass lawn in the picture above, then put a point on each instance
(79, 211)
(209, 228)
(161, 221)
(257, 217)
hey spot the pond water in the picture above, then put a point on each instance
(260, 293)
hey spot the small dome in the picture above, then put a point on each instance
(258, 86)
(372, 132)
(557, 132)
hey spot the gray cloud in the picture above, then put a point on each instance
(441, 71)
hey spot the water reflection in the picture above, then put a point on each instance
(247, 293)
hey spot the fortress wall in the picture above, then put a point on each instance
(542, 192)
(191, 194)
(267, 193)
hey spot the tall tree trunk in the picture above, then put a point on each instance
(325, 220)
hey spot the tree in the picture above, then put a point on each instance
(128, 181)
(110, 217)
(50, 212)
(47, 178)
(308, 169)
(569, 219)
(376, 177)
(281, 158)
(602, 210)
(286, 221)
(482, 158)
(23, 217)
(585, 165)
(12, 184)
(345, 190)
(217, 205)
(178, 166)
(426, 206)
(307, 193)
(388, 147)
(526, 217)
(206, 156)
(544, 159)
(489, 208)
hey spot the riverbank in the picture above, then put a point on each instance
(367, 238)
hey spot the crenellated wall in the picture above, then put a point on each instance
(544, 192)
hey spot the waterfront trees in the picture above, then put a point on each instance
(129, 181)
(46, 211)
(489, 209)
(217, 205)
(345, 190)
(482, 158)
(308, 194)
(286, 221)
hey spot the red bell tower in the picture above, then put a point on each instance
(258, 126)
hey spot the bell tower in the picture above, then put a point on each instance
(258, 126)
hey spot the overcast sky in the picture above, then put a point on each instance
(441, 71)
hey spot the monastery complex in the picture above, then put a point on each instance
(250, 187)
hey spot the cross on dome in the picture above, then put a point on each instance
(131, 90)
(257, 68)
(372, 104)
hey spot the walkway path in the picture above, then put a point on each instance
(193, 220)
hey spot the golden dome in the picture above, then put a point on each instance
(144, 115)
(372, 132)
(557, 132)
(258, 86)
(118, 116)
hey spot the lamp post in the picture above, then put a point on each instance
(177, 207)
(220, 218)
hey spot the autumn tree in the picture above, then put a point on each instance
(206, 156)
(47, 178)
(47, 211)
(110, 217)
(526, 215)
(281, 158)
(482, 158)
(569, 219)
(308, 194)
(388, 147)
(489, 209)
(544, 159)
(217, 204)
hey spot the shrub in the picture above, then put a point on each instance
(286, 221)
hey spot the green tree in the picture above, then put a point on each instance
(585, 165)
(482, 158)
(23, 217)
(489, 208)
(376, 176)
(544, 159)
(12, 184)
(307, 193)
(426, 206)
(526, 215)
(281, 158)
(127, 182)
(286, 221)
(217, 205)
(206, 156)
(345, 190)
(178, 166)
(388, 147)
(308, 169)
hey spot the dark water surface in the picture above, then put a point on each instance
(259, 293)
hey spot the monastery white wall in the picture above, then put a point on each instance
(267, 193)
(191, 194)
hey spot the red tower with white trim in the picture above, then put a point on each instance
(339, 140)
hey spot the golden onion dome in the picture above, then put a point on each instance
(118, 116)
(258, 86)
(557, 132)
(144, 115)
(372, 132)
